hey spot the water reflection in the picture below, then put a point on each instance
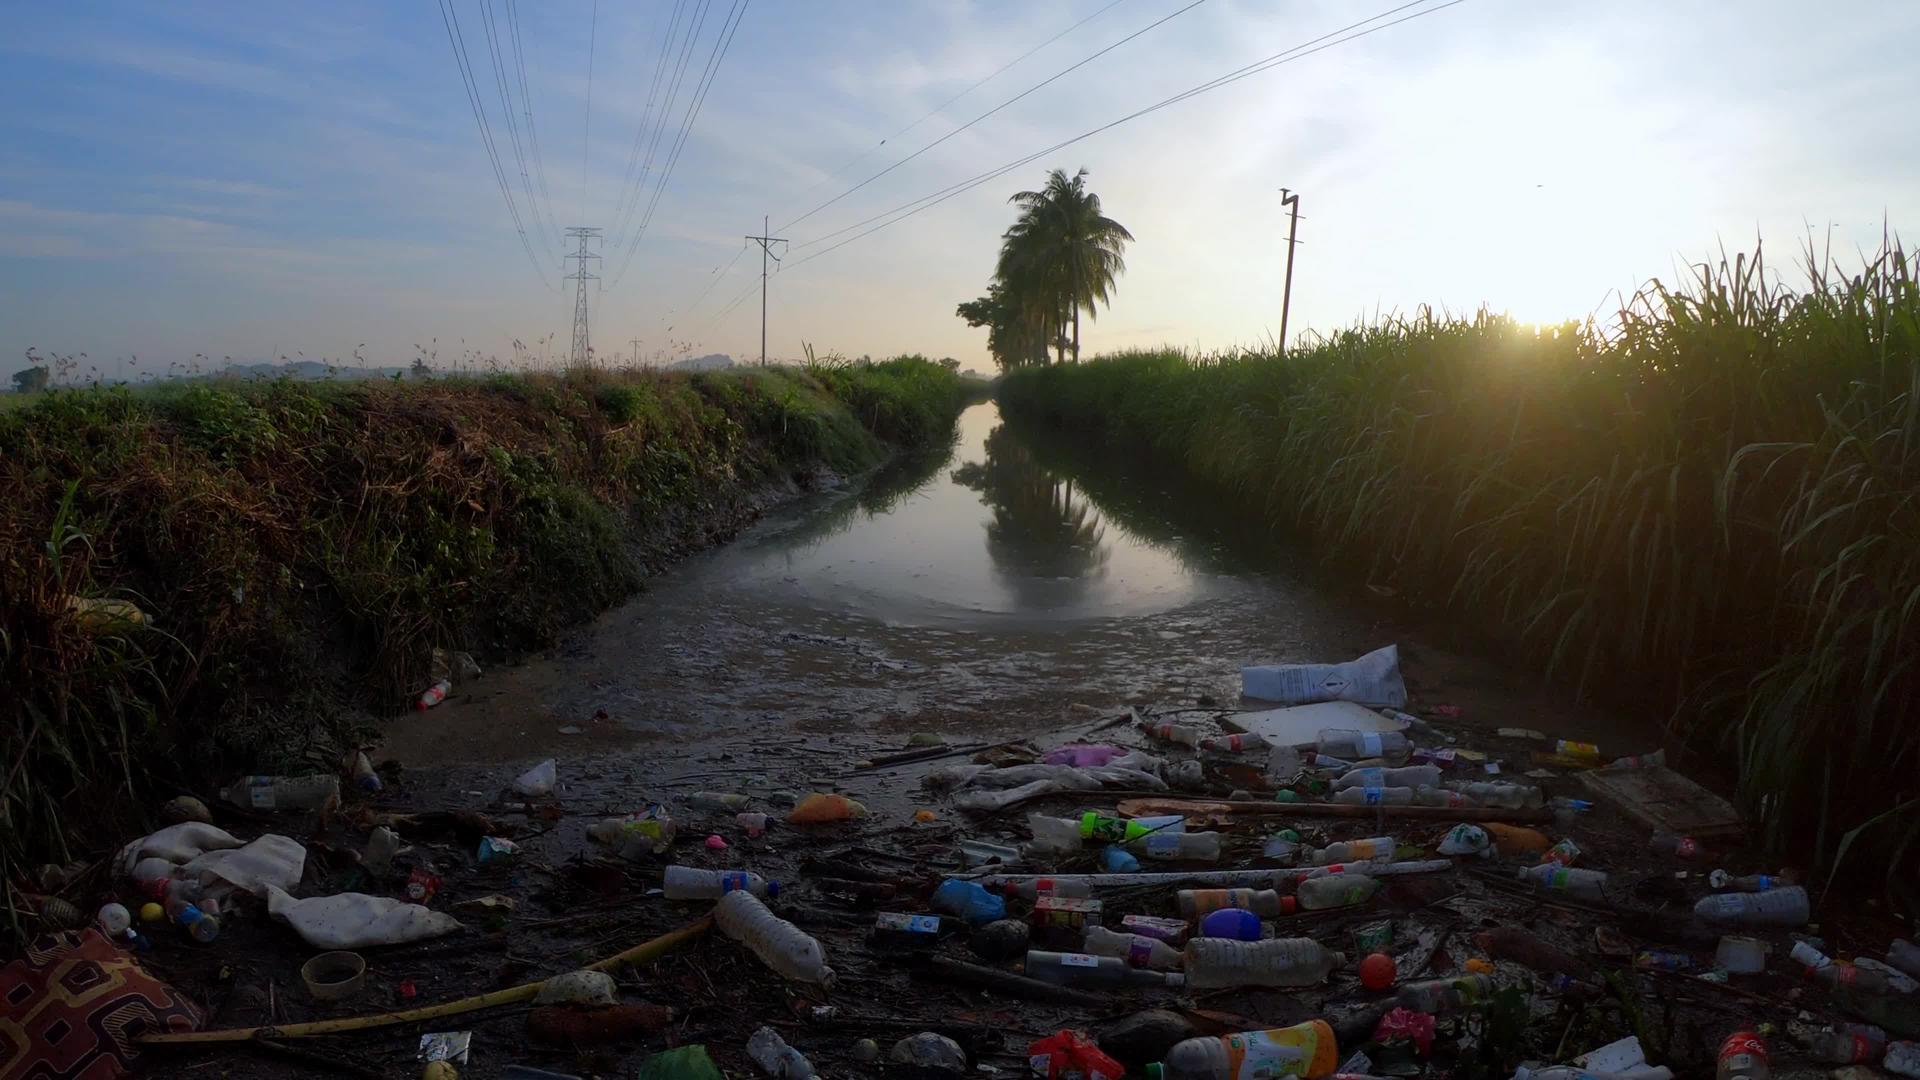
(1040, 534)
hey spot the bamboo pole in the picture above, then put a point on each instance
(645, 952)
(1154, 802)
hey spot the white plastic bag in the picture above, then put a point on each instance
(1373, 679)
(581, 987)
(356, 920)
(984, 801)
(536, 781)
(271, 860)
(177, 844)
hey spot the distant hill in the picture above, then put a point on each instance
(709, 362)
(306, 370)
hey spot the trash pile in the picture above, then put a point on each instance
(1334, 886)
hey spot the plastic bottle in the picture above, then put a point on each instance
(1215, 962)
(283, 792)
(1135, 949)
(1192, 847)
(1233, 924)
(1566, 853)
(1235, 744)
(1184, 734)
(1436, 796)
(818, 808)
(1841, 973)
(1335, 890)
(1579, 884)
(1669, 843)
(199, 925)
(1094, 825)
(651, 830)
(1442, 995)
(1373, 796)
(1499, 793)
(1083, 969)
(1743, 1057)
(1848, 1044)
(969, 900)
(1905, 955)
(693, 883)
(434, 695)
(1903, 1058)
(1198, 903)
(1720, 879)
(1034, 888)
(778, 1060)
(1785, 906)
(1302, 1050)
(1390, 746)
(362, 772)
(1115, 859)
(1413, 776)
(1053, 835)
(719, 800)
(382, 845)
(779, 944)
(1373, 849)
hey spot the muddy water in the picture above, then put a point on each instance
(976, 592)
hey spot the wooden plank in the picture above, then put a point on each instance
(1659, 798)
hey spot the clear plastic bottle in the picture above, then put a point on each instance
(382, 845)
(1302, 1050)
(1372, 849)
(1671, 843)
(1335, 890)
(1215, 962)
(1499, 793)
(1234, 744)
(1052, 835)
(693, 883)
(1841, 973)
(1135, 949)
(719, 800)
(778, 1060)
(1085, 969)
(1720, 879)
(1197, 903)
(1905, 955)
(1785, 906)
(283, 792)
(434, 695)
(1579, 884)
(638, 834)
(1190, 847)
(1390, 746)
(1903, 1058)
(1443, 995)
(1848, 1044)
(1184, 734)
(1413, 776)
(1438, 796)
(1373, 796)
(1033, 888)
(778, 943)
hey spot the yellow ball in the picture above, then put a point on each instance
(152, 913)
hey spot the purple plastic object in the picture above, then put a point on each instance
(1235, 923)
(1081, 755)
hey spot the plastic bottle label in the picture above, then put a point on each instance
(1373, 796)
(1163, 846)
(1139, 953)
(260, 792)
(1371, 776)
(731, 880)
(1370, 744)
(1074, 959)
(1262, 1054)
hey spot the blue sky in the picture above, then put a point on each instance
(256, 179)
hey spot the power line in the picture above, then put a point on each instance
(450, 18)
(1287, 56)
(586, 124)
(714, 59)
(526, 105)
(500, 82)
(713, 278)
(1036, 86)
(695, 24)
(942, 107)
(620, 194)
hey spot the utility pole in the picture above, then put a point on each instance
(766, 251)
(582, 351)
(635, 342)
(1289, 199)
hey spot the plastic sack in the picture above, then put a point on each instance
(1115, 776)
(1465, 839)
(986, 801)
(536, 781)
(953, 776)
(1373, 679)
(271, 860)
(577, 988)
(1068, 777)
(356, 920)
(1403, 1023)
(1081, 755)
(930, 1050)
(180, 843)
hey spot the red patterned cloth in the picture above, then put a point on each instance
(71, 1008)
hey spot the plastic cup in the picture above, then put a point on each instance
(1741, 955)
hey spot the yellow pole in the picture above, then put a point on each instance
(645, 952)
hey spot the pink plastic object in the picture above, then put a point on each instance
(1082, 755)
(714, 843)
(1407, 1024)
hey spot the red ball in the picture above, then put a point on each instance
(1376, 971)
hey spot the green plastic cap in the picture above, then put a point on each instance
(1154, 1071)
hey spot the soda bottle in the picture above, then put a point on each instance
(1442, 995)
(1135, 949)
(1669, 843)
(1848, 1044)
(1335, 890)
(1034, 888)
(1197, 903)
(1390, 746)
(1498, 793)
(1784, 906)
(1082, 969)
(1234, 744)
(1216, 962)
(1841, 973)
(1184, 734)
(434, 695)
(1743, 1057)
(1302, 1050)
(693, 883)
(1374, 849)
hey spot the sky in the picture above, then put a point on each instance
(309, 181)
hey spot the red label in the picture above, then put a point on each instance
(1743, 1044)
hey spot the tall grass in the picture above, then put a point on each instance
(297, 550)
(1714, 500)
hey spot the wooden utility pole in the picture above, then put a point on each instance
(766, 251)
(1292, 200)
(635, 342)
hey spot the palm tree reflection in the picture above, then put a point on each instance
(1041, 535)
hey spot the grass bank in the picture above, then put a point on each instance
(203, 578)
(1715, 502)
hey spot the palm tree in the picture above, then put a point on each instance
(1061, 257)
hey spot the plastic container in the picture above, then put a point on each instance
(649, 831)
(1198, 903)
(1052, 835)
(719, 800)
(1179, 846)
(779, 944)
(1566, 853)
(1302, 1050)
(1033, 888)
(283, 792)
(1373, 796)
(693, 883)
(1142, 952)
(537, 781)
(382, 845)
(1235, 744)
(1579, 884)
(775, 1058)
(1390, 746)
(1115, 859)
(434, 695)
(1216, 962)
(1413, 776)
(1171, 931)
(1785, 906)
(1720, 879)
(334, 976)
(1848, 1044)
(928, 1050)
(1234, 924)
(1743, 1057)
(1084, 969)
(361, 770)
(1335, 890)
(819, 808)
(1184, 734)
(1841, 973)
(1499, 793)
(1741, 955)
(968, 900)
(1444, 995)
(1374, 849)
(199, 925)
